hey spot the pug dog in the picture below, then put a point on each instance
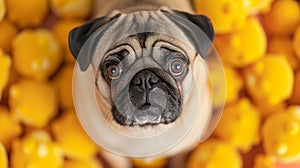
(149, 79)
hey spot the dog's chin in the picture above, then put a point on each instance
(149, 116)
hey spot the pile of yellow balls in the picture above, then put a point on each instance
(258, 41)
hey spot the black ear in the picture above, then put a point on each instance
(79, 35)
(204, 23)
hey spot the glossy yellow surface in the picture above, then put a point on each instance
(61, 29)
(2, 9)
(76, 9)
(244, 46)
(234, 84)
(149, 163)
(63, 83)
(5, 63)
(33, 103)
(82, 164)
(3, 157)
(283, 17)
(239, 125)
(281, 134)
(215, 154)
(226, 15)
(72, 138)
(9, 127)
(8, 32)
(283, 45)
(36, 53)
(270, 81)
(29, 13)
(36, 149)
(257, 6)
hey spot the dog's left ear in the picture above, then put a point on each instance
(79, 35)
(204, 23)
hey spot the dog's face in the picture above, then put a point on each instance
(148, 79)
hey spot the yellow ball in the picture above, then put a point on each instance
(33, 103)
(2, 9)
(5, 63)
(235, 120)
(215, 154)
(36, 149)
(234, 84)
(3, 156)
(82, 164)
(72, 138)
(264, 161)
(149, 163)
(29, 13)
(63, 82)
(283, 45)
(36, 54)
(76, 9)
(61, 29)
(244, 46)
(7, 37)
(281, 134)
(296, 41)
(9, 127)
(270, 81)
(226, 15)
(283, 17)
(257, 6)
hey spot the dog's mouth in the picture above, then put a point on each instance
(149, 100)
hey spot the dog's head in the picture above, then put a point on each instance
(149, 68)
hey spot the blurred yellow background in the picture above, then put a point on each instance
(258, 41)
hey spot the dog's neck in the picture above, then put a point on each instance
(104, 7)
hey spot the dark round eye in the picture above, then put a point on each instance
(113, 71)
(177, 66)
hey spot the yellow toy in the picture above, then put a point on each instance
(235, 120)
(33, 103)
(281, 134)
(296, 41)
(283, 17)
(8, 33)
(36, 54)
(3, 157)
(76, 9)
(244, 46)
(9, 128)
(270, 81)
(5, 63)
(215, 154)
(61, 29)
(2, 9)
(284, 45)
(63, 83)
(226, 15)
(296, 92)
(234, 83)
(257, 6)
(144, 163)
(36, 149)
(82, 164)
(71, 137)
(29, 13)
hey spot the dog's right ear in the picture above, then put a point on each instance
(79, 35)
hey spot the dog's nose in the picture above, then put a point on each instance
(145, 80)
(140, 87)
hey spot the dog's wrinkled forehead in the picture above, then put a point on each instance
(101, 34)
